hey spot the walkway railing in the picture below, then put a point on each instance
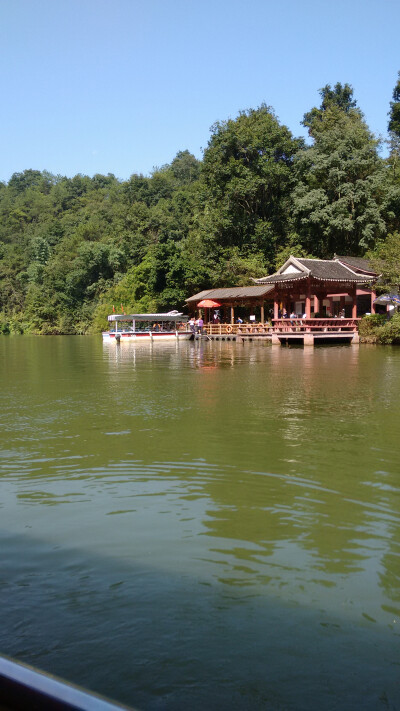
(222, 329)
(314, 325)
(284, 325)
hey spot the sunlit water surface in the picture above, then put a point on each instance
(203, 526)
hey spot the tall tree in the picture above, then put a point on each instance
(338, 99)
(340, 201)
(185, 168)
(394, 113)
(394, 148)
(247, 173)
(385, 259)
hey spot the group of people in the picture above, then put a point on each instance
(342, 314)
(196, 325)
(292, 315)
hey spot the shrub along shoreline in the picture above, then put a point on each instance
(378, 329)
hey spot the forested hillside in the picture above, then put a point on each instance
(71, 248)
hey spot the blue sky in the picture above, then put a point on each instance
(99, 86)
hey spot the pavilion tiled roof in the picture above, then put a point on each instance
(319, 269)
(358, 264)
(234, 292)
(281, 278)
(330, 269)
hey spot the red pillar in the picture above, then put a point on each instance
(316, 305)
(308, 301)
(373, 297)
(354, 307)
(276, 308)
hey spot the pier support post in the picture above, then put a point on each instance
(275, 340)
(356, 337)
(308, 339)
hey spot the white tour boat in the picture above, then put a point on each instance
(148, 327)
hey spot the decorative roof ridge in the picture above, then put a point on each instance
(289, 276)
(342, 261)
(361, 278)
(290, 260)
(315, 259)
(339, 261)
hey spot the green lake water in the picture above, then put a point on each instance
(203, 526)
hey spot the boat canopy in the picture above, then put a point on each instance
(170, 316)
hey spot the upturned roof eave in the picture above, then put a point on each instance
(356, 279)
(274, 278)
(356, 268)
(231, 293)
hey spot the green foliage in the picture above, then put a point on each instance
(340, 202)
(293, 247)
(390, 332)
(247, 171)
(370, 327)
(236, 269)
(394, 113)
(185, 168)
(72, 248)
(5, 326)
(133, 294)
(385, 259)
(379, 329)
(334, 102)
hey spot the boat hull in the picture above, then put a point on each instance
(153, 336)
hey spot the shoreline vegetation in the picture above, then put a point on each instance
(71, 249)
(378, 329)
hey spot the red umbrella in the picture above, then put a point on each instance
(208, 304)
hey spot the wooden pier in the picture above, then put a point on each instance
(281, 331)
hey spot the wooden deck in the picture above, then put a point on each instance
(287, 330)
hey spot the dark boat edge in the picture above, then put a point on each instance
(23, 687)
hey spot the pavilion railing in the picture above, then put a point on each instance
(222, 329)
(314, 325)
(284, 325)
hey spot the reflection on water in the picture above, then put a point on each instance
(203, 524)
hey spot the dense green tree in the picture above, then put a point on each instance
(185, 168)
(340, 202)
(72, 248)
(394, 114)
(385, 259)
(333, 101)
(247, 173)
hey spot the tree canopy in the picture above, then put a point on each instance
(334, 102)
(71, 248)
(394, 113)
(340, 201)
